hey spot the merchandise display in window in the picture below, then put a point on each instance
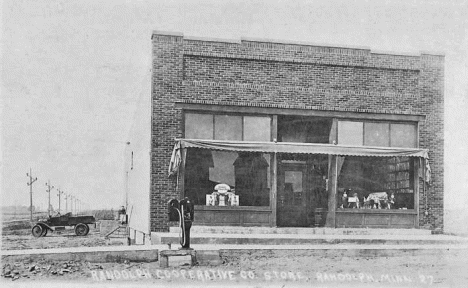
(374, 183)
(216, 178)
(334, 172)
(222, 196)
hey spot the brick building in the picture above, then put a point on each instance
(300, 134)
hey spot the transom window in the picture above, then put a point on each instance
(227, 127)
(382, 134)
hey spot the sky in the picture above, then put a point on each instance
(73, 72)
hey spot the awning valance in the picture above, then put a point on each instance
(302, 148)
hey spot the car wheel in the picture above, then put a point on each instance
(44, 231)
(81, 229)
(37, 230)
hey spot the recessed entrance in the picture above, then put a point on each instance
(301, 189)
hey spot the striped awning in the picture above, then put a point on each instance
(301, 148)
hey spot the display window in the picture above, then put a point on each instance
(219, 178)
(375, 183)
(224, 172)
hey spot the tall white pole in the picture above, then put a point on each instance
(31, 181)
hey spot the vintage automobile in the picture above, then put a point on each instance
(80, 224)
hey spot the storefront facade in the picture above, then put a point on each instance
(264, 133)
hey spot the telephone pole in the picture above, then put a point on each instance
(31, 181)
(126, 190)
(59, 194)
(49, 188)
(71, 204)
(66, 203)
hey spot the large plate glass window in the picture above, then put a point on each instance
(375, 182)
(246, 174)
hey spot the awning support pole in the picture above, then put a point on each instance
(331, 214)
(274, 190)
(426, 210)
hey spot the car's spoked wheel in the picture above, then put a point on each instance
(81, 229)
(37, 230)
(44, 232)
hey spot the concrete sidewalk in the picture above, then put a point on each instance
(150, 253)
(300, 230)
(91, 254)
(436, 237)
(308, 239)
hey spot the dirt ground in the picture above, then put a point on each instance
(251, 269)
(64, 239)
(257, 269)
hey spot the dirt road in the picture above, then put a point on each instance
(253, 269)
(260, 269)
(16, 235)
(54, 240)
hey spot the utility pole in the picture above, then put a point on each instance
(69, 196)
(66, 203)
(31, 181)
(49, 188)
(126, 190)
(71, 204)
(59, 194)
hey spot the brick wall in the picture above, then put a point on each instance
(431, 102)
(265, 74)
(307, 75)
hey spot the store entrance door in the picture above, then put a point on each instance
(302, 191)
(292, 199)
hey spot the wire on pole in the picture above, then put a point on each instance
(31, 181)
(49, 189)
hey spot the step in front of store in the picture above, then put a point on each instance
(293, 230)
(303, 236)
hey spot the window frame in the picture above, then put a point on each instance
(242, 115)
(336, 116)
(416, 132)
(240, 189)
(413, 182)
(363, 121)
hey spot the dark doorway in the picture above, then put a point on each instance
(301, 189)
